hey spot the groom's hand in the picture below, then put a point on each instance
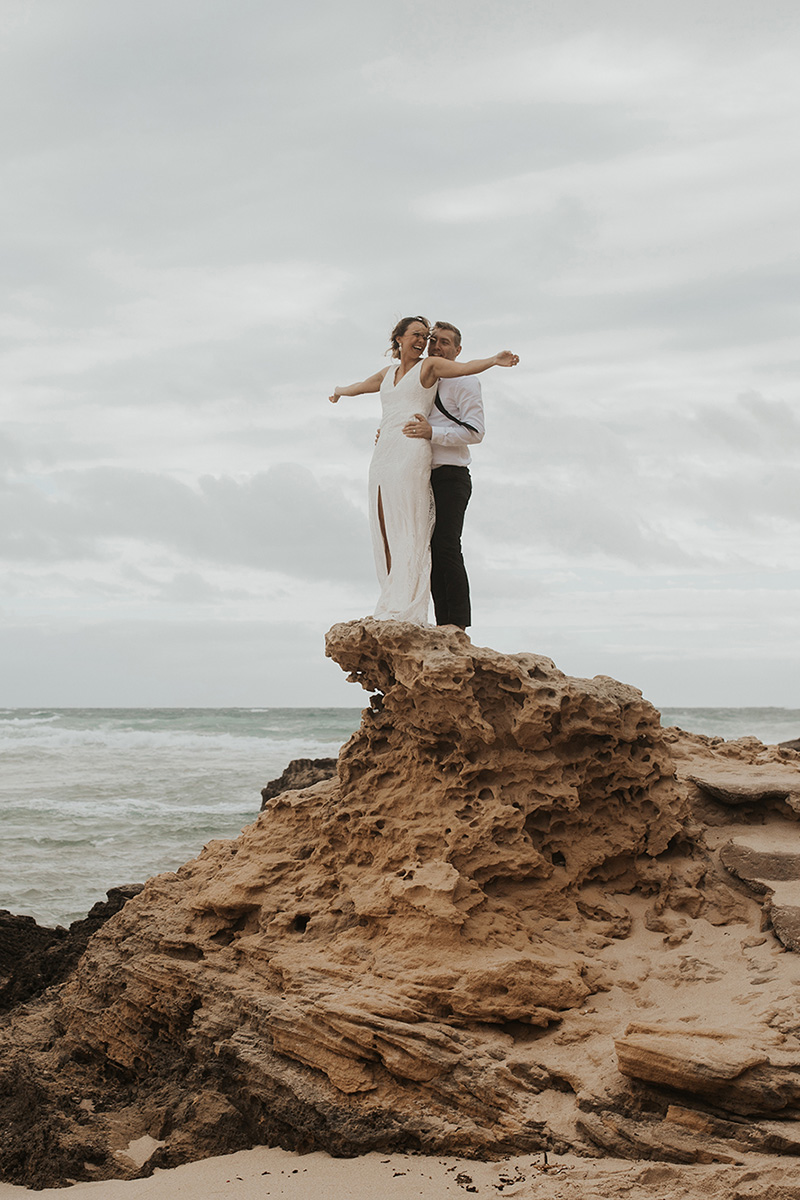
(417, 427)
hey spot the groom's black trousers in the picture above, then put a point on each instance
(452, 488)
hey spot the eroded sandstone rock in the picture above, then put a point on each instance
(757, 784)
(435, 949)
(768, 861)
(737, 1076)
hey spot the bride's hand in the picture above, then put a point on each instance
(334, 399)
(506, 359)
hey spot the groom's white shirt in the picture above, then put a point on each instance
(450, 442)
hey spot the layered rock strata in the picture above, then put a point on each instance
(450, 946)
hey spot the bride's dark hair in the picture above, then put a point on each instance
(400, 329)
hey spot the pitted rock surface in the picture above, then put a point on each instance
(437, 949)
(768, 861)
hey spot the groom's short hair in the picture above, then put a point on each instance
(453, 329)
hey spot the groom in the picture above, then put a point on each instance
(455, 423)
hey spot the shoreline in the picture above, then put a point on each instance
(265, 1173)
(278, 1174)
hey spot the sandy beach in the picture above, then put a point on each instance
(279, 1175)
(264, 1172)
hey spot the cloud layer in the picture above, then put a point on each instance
(212, 215)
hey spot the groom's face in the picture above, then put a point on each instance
(442, 344)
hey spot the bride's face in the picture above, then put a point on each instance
(413, 341)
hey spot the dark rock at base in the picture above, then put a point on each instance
(39, 1146)
(34, 957)
(21, 939)
(300, 773)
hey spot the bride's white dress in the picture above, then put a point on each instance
(401, 509)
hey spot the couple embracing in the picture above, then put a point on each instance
(419, 481)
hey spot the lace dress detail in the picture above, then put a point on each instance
(401, 509)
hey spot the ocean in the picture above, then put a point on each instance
(93, 798)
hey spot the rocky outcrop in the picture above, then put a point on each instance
(727, 1070)
(300, 773)
(766, 784)
(448, 946)
(765, 857)
(34, 957)
(769, 862)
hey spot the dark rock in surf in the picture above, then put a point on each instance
(300, 773)
(35, 957)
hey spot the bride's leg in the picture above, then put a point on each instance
(382, 524)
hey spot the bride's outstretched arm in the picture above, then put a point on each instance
(444, 368)
(373, 384)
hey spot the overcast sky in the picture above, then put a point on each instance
(213, 213)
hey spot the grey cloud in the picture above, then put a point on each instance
(179, 663)
(654, 490)
(578, 521)
(259, 365)
(729, 308)
(170, 167)
(281, 520)
(759, 504)
(11, 455)
(753, 425)
(33, 526)
(204, 153)
(190, 587)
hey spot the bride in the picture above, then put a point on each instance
(401, 510)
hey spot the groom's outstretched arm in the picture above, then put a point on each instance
(434, 369)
